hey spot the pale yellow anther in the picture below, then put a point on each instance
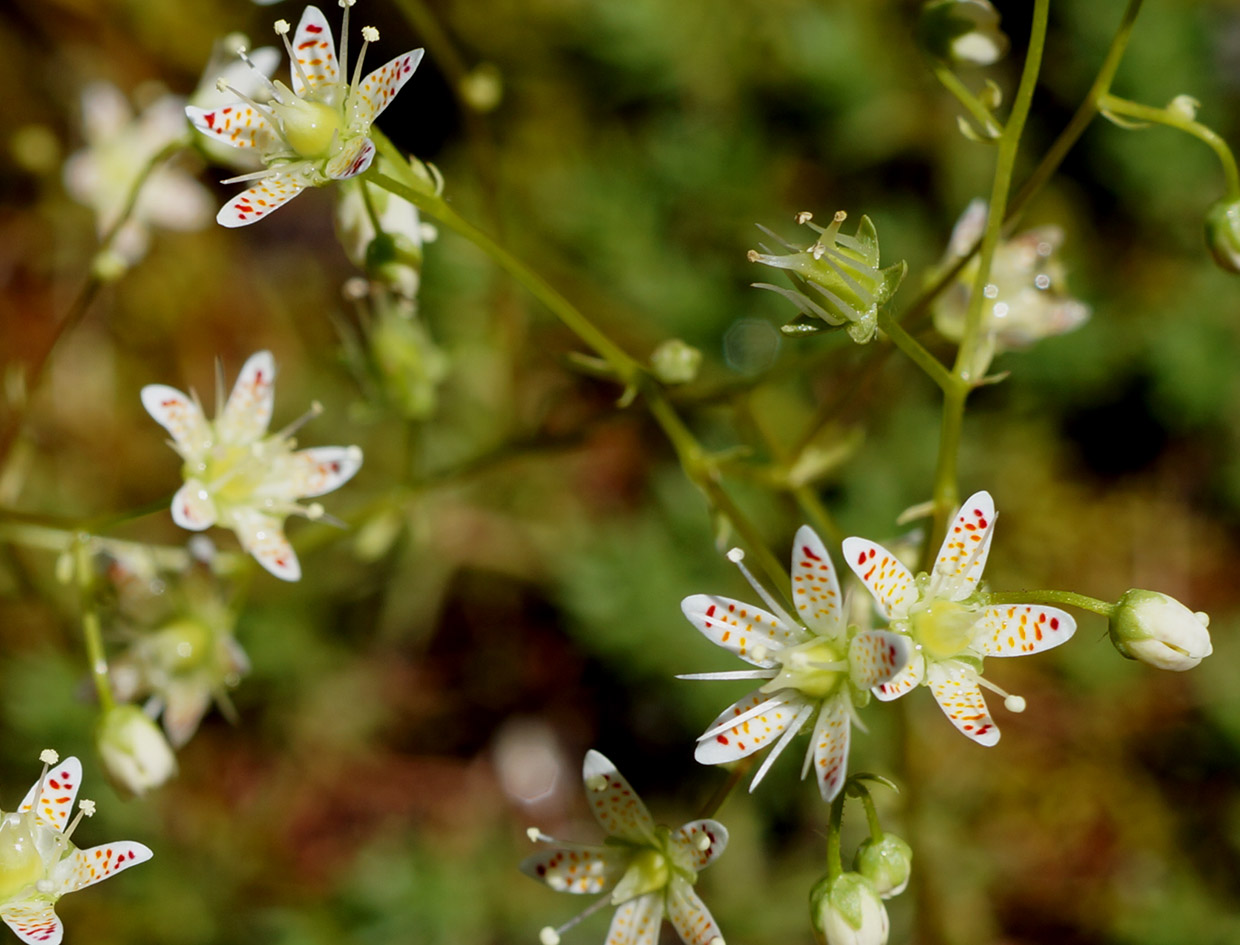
(221, 84)
(533, 833)
(87, 807)
(347, 3)
(548, 936)
(804, 216)
(282, 27)
(48, 756)
(597, 782)
(370, 34)
(314, 511)
(703, 842)
(759, 652)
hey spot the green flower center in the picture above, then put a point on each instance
(20, 862)
(233, 473)
(944, 628)
(815, 668)
(309, 127)
(184, 645)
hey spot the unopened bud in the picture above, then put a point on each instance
(1223, 234)
(887, 863)
(1159, 630)
(847, 911)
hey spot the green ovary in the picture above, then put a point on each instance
(20, 863)
(648, 871)
(232, 474)
(814, 668)
(309, 127)
(943, 628)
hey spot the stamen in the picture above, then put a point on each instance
(344, 35)
(733, 674)
(316, 408)
(244, 57)
(737, 557)
(1010, 702)
(222, 84)
(550, 936)
(794, 727)
(739, 719)
(537, 836)
(369, 35)
(282, 28)
(256, 175)
(48, 756)
(85, 809)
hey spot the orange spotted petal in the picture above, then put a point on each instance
(962, 557)
(815, 587)
(354, 158)
(908, 678)
(266, 195)
(613, 801)
(181, 416)
(263, 537)
(884, 576)
(830, 747)
(315, 50)
(637, 921)
(192, 507)
(1017, 629)
(877, 656)
(317, 471)
(741, 628)
(34, 921)
(381, 86)
(248, 412)
(955, 688)
(578, 869)
(239, 125)
(59, 792)
(689, 915)
(86, 867)
(696, 834)
(755, 732)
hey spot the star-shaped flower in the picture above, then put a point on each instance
(951, 626)
(650, 870)
(814, 668)
(239, 476)
(38, 861)
(317, 131)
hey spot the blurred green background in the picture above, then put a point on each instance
(428, 691)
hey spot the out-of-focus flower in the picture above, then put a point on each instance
(962, 31)
(314, 133)
(814, 669)
(952, 629)
(847, 910)
(886, 862)
(836, 278)
(391, 254)
(39, 862)
(650, 870)
(1159, 630)
(1026, 296)
(136, 757)
(239, 476)
(250, 77)
(1223, 234)
(675, 361)
(119, 149)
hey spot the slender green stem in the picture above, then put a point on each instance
(1070, 598)
(981, 114)
(835, 864)
(1173, 119)
(92, 629)
(916, 351)
(814, 509)
(871, 812)
(946, 495)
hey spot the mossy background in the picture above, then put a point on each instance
(403, 697)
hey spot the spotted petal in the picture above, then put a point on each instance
(86, 867)
(380, 87)
(266, 195)
(1017, 629)
(239, 125)
(637, 921)
(263, 536)
(60, 789)
(613, 801)
(756, 731)
(702, 841)
(353, 159)
(890, 582)
(185, 703)
(877, 656)
(192, 507)
(689, 915)
(315, 51)
(829, 746)
(741, 628)
(34, 921)
(956, 690)
(908, 678)
(962, 556)
(578, 869)
(815, 587)
(181, 415)
(317, 471)
(248, 412)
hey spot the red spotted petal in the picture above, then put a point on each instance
(613, 801)
(956, 690)
(55, 803)
(884, 576)
(815, 586)
(1017, 629)
(315, 50)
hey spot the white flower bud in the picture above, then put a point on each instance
(1159, 630)
(134, 752)
(887, 863)
(848, 911)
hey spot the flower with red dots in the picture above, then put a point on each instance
(314, 133)
(816, 668)
(239, 476)
(647, 871)
(39, 862)
(951, 626)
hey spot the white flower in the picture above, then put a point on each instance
(848, 911)
(951, 628)
(134, 752)
(392, 254)
(1159, 630)
(119, 148)
(314, 133)
(962, 31)
(38, 861)
(239, 476)
(650, 870)
(812, 668)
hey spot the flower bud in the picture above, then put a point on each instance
(1159, 630)
(963, 31)
(1223, 234)
(847, 911)
(886, 862)
(136, 757)
(675, 362)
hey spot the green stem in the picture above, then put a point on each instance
(981, 115)
(92, 629)
(915, 350)
(1070, 598)
(871, 812)
(946, 495)
(807, 498)
(835, 865)
(1168, 117)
